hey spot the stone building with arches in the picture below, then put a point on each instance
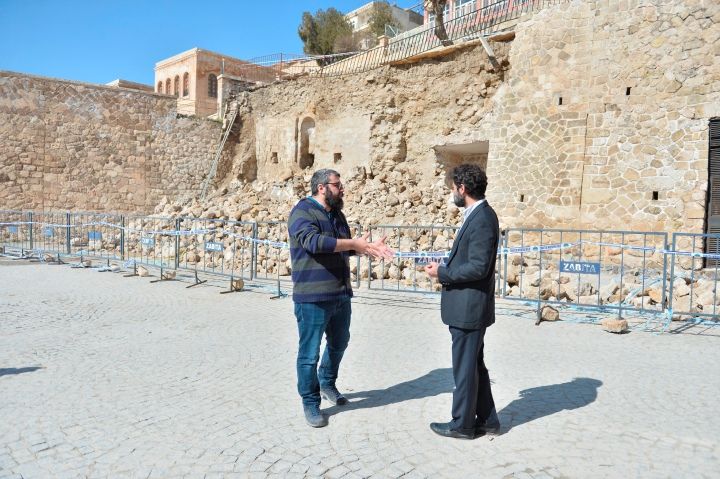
(195, 78)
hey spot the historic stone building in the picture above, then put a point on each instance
(405, 19)
(195, 78)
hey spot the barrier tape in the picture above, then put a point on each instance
(424, 255)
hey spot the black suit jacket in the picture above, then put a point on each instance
(468, 277)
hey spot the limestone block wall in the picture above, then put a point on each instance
(69, 145)
(606, 107)
(597, 119)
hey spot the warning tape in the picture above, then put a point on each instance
(421, 255)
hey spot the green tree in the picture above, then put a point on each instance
(381, 16)
(325, 33)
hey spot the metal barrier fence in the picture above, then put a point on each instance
(605, 270)
(51, 232)
(92, 235)
(15, 231)
(151, 241)
(694, 286)
(232, 249)
(415, 245)
(272, 262)
(616, 271)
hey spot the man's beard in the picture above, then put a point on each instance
(335, 202)
(459, 200)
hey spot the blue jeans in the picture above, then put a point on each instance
(313, 319)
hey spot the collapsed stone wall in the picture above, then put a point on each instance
(383, 124)
(69, 145)
(597, 118)
(626, 147)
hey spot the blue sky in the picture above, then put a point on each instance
(98, 41)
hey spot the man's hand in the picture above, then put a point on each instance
(359, 245)
(379, 250)
(432, 269)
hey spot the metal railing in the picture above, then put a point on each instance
(467, 23)
(693, 291)
(474, 24)
(600, 271)
(406, 272)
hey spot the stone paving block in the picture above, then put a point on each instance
(169, 387)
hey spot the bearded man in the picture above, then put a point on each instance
(320, 250)
(467, 306)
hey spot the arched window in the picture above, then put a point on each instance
(186, 84)
(176, 90)
(212, 86)
(168, 87)
(159, 88)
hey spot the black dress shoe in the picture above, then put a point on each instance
(443, 429)
(490, 426)
(489, 429)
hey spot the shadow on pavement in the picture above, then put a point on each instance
(12, 371)
(435, 382)
(536, 403)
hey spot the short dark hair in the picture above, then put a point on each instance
(321, 177)
(474, 179)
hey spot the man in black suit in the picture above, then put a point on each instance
(468, 306)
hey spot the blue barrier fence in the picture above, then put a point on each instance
(607, 271)
(693, 291)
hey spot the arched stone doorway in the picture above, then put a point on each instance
(307, 150)
(452, 155)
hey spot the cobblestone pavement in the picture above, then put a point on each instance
(106, 376)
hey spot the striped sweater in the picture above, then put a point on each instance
(318, 273)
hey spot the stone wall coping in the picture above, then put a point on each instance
(193, 52)
(7, 73)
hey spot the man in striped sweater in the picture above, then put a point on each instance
(320, 248)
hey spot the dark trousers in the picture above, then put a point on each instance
(472, 397)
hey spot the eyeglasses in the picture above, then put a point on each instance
(337, 184)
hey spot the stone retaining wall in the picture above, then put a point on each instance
(69, 145)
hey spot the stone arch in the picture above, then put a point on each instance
(454, 154)
(307, 149)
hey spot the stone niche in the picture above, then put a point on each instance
(304, 141)
(452, 155)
